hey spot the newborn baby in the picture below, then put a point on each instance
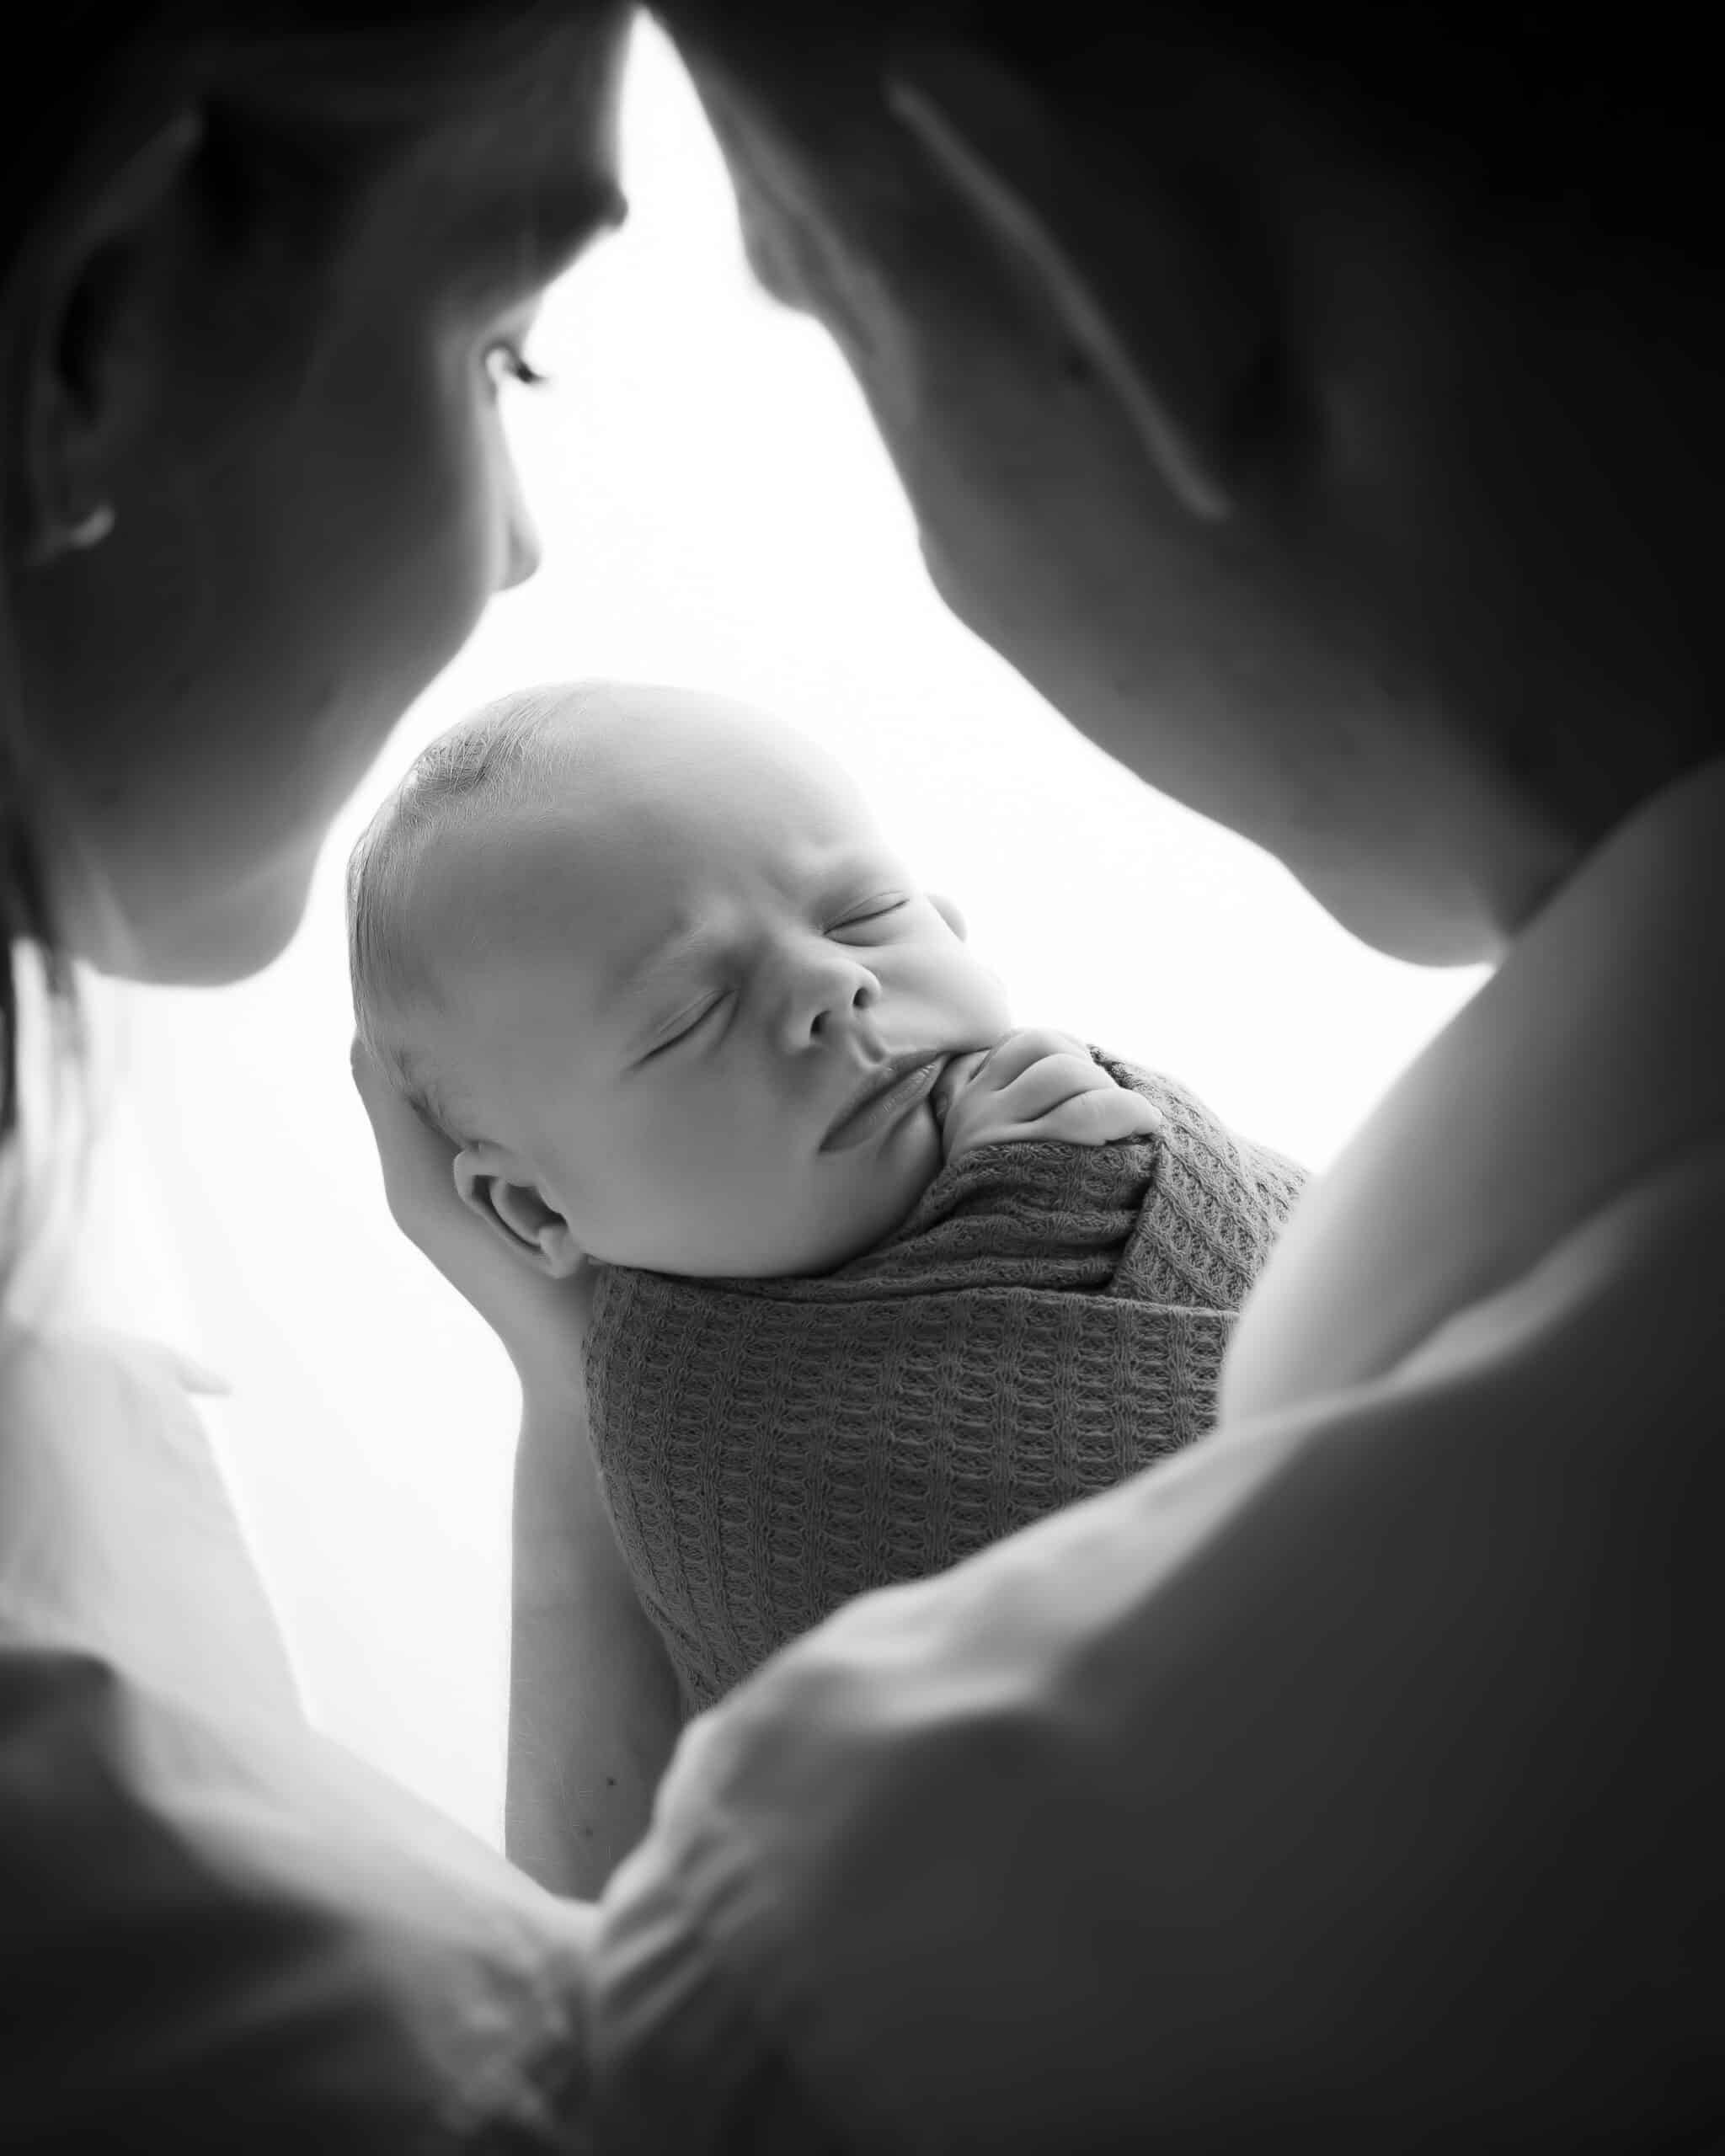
(879, 1277)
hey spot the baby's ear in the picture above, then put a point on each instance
(947, 909)
(492, 1184)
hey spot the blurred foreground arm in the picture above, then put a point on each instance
(1347, 1780)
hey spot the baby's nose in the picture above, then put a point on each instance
(829, 998)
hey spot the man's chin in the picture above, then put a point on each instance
(1403, 921)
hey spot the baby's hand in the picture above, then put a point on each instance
(1036, 1083)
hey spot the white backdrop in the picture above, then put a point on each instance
(716, 511)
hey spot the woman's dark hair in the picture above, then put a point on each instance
(26, 916)
(306, 99)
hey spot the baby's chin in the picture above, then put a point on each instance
(886, 1187)
(869, 1196)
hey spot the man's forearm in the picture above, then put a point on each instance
(593, 1708)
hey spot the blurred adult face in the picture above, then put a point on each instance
(315, 502)
(1249, 453)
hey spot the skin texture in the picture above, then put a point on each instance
(652, 1100)
(1297, 480)
(307, 528)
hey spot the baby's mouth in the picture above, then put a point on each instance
(885, 1093)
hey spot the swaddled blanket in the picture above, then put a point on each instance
(1049, 1319)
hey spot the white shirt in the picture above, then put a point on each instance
(1352, 1780)
(220, 1931)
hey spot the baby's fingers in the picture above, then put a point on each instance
(1037, 1092)
(1099, 1118)
(1022, 1051)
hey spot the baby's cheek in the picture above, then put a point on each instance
(989, 1011)
(734, 1203)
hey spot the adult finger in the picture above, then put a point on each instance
(418, 1163)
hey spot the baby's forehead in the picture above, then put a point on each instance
(603, 825)
(733, 788)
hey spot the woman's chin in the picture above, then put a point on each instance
(215, 939)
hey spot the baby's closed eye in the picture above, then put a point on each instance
(860, 916)
(684, 1027)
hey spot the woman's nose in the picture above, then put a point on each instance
(522, 551)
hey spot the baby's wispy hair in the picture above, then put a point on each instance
(496, 758)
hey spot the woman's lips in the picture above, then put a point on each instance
(895, 1090)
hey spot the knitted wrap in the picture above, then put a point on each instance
(1049, 1319)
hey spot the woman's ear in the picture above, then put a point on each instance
(949, 912)
(87, 385)
(492, 1184)
(1142, 287)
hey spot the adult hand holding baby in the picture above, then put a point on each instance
(592, 1698)
(1036, 1083)
(542, 1322)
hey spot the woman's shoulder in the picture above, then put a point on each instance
(118, 1531)
(267, 1874)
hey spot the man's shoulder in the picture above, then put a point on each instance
(1619, 1316)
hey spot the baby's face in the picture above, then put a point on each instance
(669, 989)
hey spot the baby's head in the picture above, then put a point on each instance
(636, 952)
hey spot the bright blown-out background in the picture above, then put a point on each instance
(716, 510)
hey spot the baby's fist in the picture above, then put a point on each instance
(1040, 1084)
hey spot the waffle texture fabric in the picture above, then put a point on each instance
(1049, 1319)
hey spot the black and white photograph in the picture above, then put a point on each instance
(862, 1163)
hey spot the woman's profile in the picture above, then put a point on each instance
(267, 276)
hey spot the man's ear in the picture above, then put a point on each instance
(492, 1184)
(88, 386)
(1142, 285)
(949, 912)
